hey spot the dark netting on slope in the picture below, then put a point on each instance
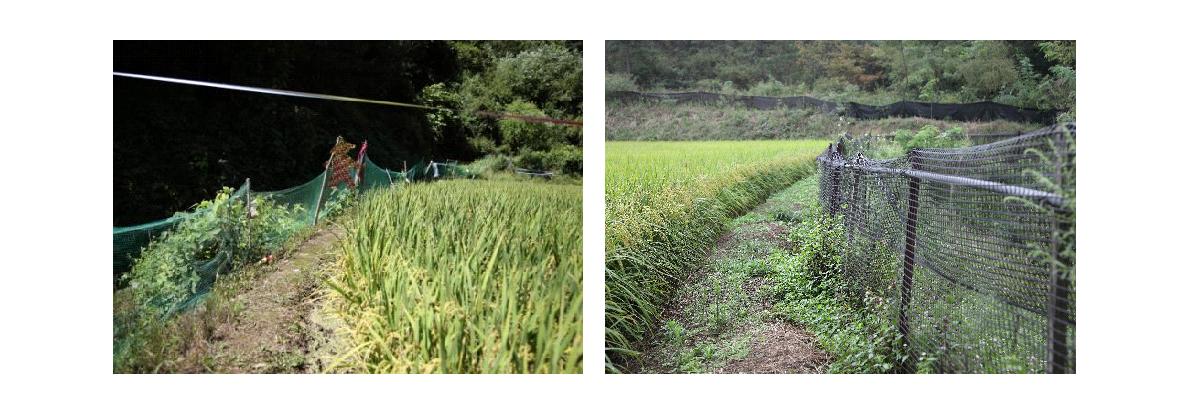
(967, 112)
(973, 248)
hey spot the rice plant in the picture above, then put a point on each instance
(464, 276)
(666, 204)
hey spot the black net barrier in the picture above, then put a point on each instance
(970, 250)
(967, 112)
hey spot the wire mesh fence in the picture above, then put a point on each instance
(973, 246)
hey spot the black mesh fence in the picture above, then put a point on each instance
(967, 112)
(973, 247)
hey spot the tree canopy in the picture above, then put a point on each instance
(1033, 74)
(175, 145)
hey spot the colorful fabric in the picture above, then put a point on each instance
(340, 164)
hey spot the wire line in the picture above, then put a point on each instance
(272, 91)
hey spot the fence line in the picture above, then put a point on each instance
(974, 246)
(127, 242)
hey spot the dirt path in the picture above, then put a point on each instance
(722, 319)
(278, 321)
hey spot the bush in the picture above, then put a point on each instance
(520, 135)
(565, 159)
(772, 87)
(930, 137)
(180, 264)
(618, 82)
(483, 145)
(551, 76)
(217, 236)
(490, 164)
(850, 324)
(903, 137)
(533, 160)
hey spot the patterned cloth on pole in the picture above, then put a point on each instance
(340, 164)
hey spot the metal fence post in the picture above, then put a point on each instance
(318, 204)
(248, 209)
(836, 174)
(910, 249)
(1059, 294)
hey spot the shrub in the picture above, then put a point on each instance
(533, 160)
(490, 164)
(566, 159)
(931, 137)
(850, 324)
(620, 82)
(483, 145)
(522, 136)
(772, 87)
(218, 236)
(903, 137)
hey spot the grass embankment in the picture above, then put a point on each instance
(669, 121)
(464, 276)
(666, 204)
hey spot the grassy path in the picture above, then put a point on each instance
(721, 320)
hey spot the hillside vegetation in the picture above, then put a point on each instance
(1031, 74)
(668, 121)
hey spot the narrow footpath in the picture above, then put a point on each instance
(277, 319)
(721, 320)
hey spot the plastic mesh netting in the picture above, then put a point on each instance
(973, 247)
(127, 242)
(376, 176)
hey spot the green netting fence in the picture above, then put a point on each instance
(306, 203)
(422, 171)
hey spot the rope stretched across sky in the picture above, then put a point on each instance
(498, 115)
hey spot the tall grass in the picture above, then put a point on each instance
(666, 204)
(465, 276)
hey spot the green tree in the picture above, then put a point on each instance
(523, 136)
(988, 69)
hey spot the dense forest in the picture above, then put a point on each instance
(175, 145)
(1031, 74)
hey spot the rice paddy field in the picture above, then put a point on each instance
(667, 202)
(464, 276)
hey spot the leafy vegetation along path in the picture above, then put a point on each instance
(722, 320)
(275, 319)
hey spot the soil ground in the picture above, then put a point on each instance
(277, 320)
(722, 321)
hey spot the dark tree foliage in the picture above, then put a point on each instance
(175, 145)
